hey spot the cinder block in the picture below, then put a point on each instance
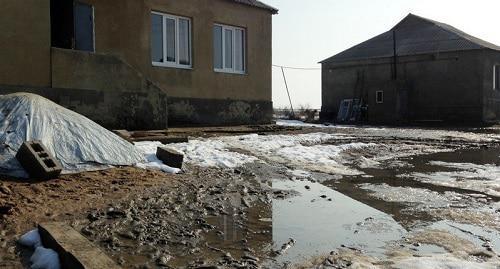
(37, 161)
(170, 157)
(75, 251)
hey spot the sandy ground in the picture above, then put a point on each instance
(68, 198)
(234, 217)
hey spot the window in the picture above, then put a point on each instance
(84, 27)
(496, 77)
(170, 41)
(229, 49)
(380, 97)
(72, 25)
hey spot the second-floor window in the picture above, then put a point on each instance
(170, 40)
(229, 49)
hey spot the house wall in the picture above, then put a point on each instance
(100, 84)
(25, 42)
(198, 95)
(442, 87)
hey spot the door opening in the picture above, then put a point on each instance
(72, 25)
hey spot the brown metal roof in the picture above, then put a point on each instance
(414, 35)
(256, 3)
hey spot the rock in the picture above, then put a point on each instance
(121, 261)
(6, 209)
(115, 213)
(250, 257)
(93, 216)
(163, 260)
(323, 196)
(128, 235)
(5, 190)
(307, 187)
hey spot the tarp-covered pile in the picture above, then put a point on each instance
(77, 142)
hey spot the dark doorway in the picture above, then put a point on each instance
(72, 25)
(84, 27)
(62, 28)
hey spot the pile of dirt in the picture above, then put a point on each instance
(77, 142)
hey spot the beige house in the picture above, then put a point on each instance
(142, 64)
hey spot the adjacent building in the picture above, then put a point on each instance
(419, 71)
(142, 64)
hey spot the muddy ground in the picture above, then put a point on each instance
(376, 212)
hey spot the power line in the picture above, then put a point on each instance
(295, 68)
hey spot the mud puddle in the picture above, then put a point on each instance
(320, 220)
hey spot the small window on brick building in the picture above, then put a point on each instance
(380, 97)
(496, 77)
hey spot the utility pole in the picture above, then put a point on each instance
(288, 92)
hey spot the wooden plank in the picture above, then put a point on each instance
(75, 251)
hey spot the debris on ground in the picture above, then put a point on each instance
(242, 196)
(42, 258)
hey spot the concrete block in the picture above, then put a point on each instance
(37, 161)
(170, 157)
(75, 251)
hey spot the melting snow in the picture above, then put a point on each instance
(148, 149)
(301, 151)
(468, 176)
(444, 261)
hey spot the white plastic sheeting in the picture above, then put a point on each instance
(42, 258)
(77, 142)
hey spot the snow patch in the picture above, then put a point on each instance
(443, 261)
(408, 133)
(211, 153)
(467, 176)
(31, 239)
(45, 258)
(148, 149)
(297, 123)
(42, 258)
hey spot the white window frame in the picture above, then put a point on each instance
(495, 72)
(244, 41)
(177, 63)
(376, 97)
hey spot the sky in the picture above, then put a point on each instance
(306, 32)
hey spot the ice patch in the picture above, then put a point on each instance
(148, 149)
(444, 261)
(300, 173)
(408, 133)
(426, 199)
(475, 177)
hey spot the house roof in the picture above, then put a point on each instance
(414, 35)
(256, 3)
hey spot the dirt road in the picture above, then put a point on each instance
(332, 197)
